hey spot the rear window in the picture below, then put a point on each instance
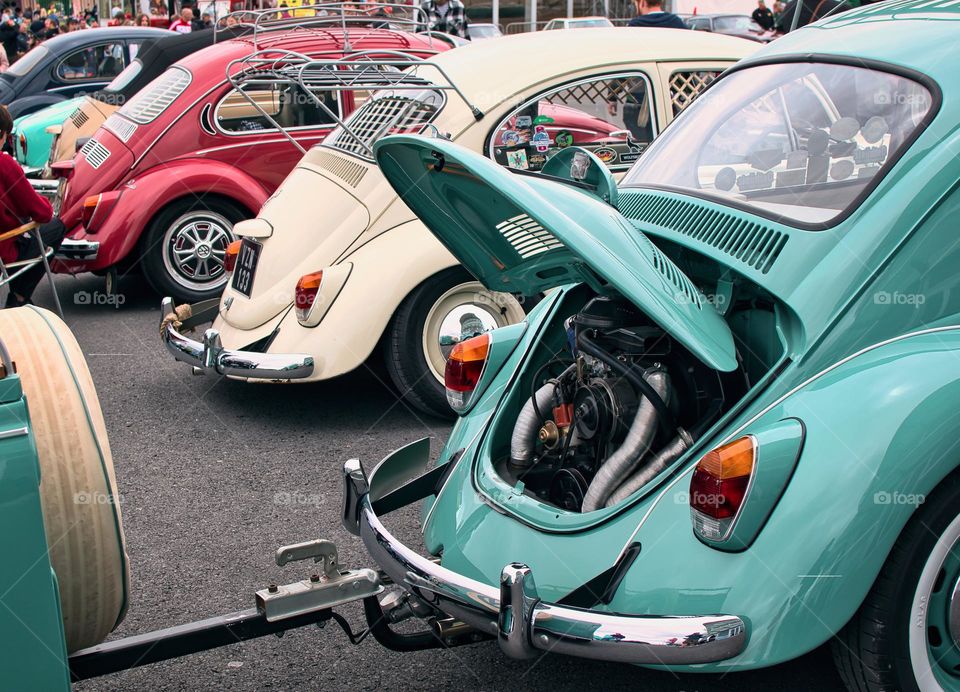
(385, 113)
(157, 96)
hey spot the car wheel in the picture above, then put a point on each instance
(906, 635)
(185, 247)
(78, 488)
(444, 309)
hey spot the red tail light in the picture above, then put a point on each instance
(719, 487)
(96, 208)
(306, 292)
(23, 143)
(230, 257)
(463, 370)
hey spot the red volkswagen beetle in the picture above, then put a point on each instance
(166, 177)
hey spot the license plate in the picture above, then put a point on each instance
(246, 266)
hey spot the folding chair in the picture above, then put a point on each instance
(19, 267)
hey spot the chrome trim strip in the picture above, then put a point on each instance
(524, 624)
(14, 432)
(211, 356)
(770, 407)
(954, 613)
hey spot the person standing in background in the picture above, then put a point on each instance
(184, 23)
(448, 16)
(763, 16)
(650, 13)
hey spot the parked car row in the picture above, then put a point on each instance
(704, 381)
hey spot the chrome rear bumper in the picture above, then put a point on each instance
(210, 355)
(83, 250)
(523, 623)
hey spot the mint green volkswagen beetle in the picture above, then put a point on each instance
(728, 432)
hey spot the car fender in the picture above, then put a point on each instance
(385, 270)
(880, 435)
(146, 195)
(31, 104)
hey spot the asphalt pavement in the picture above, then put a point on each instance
(214, 475)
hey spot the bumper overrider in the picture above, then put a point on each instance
(210, 356)
(512, 612)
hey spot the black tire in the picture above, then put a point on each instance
(158, 252)
(873, 652)
(406, 359)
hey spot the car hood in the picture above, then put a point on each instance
(526, 234)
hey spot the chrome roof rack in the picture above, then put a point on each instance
(375, 70)
(326, 16)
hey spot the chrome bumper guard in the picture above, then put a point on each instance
(523, 623)
(83, 250)
(210, 355)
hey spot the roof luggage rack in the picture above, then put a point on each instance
(386, 72)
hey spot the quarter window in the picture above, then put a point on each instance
(612, 116)
(96, 62)
(287, 105)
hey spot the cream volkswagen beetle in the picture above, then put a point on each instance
(336, 266)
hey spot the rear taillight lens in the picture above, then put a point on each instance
(23, 143)
(463, 370)
(96, 208)
(230, 257)
(306, 293)
(718, 488)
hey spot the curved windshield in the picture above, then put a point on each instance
(28, 61)
(796, 141)
(122, 80)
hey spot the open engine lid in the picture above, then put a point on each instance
(525, 234)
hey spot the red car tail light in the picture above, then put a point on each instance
(463, 370)
(719, 486)
(306, 293)
(230, 257)
(23, 143)
(96, 208)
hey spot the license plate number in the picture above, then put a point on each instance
(246, 266)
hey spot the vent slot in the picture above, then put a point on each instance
(527, 236)
(78, 118)
(121, 127)
(348, 171)
(379, 117)
(95, 153)
(154, 99)
(753, 243)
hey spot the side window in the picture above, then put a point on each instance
(612, 116)
(287, 104)
(96, 62)
(685, 85)
(700, 24)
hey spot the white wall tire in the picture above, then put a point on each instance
(414, 356)
(81, 508)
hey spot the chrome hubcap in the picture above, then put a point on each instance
(462, 312)
(195, 247)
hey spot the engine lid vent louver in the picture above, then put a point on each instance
(753, 243)
(95, 153)
(348, 171)
(527, 236)
(78, 118)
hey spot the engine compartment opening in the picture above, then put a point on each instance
(611, 400)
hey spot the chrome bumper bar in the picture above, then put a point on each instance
(84, 250)
(210, 355)
(523, 623)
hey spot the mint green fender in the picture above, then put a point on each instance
(34, 655)
(34, 128)
(880, 432)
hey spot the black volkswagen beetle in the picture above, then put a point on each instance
(70, 65)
